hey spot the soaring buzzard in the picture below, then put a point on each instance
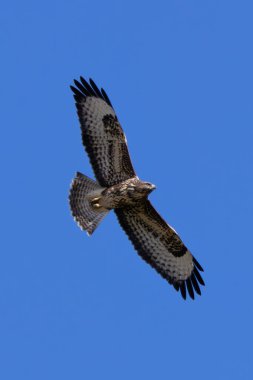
(119, 188)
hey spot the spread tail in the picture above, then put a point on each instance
(83, 191)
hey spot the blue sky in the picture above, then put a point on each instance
(179, 74)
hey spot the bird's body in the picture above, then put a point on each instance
(127, 193)
(119, 188)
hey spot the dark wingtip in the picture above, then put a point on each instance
(106, 98)
(96, 89)
(198, 276)
(73, 89)
(78, 95)
(192, 284)
(189, 288)
(176, 286)
(197, 264)
(195, 284)
(183, 290)
(83, 89)
(84, 82)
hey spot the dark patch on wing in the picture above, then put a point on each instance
(110, 150)
(112, 126)
(175, 244)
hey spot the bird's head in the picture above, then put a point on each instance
(140, 189)
(145, 188)
(148, 187)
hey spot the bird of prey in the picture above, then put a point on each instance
(118, 188)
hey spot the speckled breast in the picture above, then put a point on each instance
(122, 194)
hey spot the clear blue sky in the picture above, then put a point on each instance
(179, 74)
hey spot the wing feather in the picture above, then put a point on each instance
(160, 246)
(102, 135)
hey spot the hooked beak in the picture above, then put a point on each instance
(151, 187)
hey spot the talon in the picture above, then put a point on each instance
(96, 205)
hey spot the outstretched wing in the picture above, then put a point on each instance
(102, 135)
(160, 246)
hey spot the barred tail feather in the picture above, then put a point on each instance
(83, 189)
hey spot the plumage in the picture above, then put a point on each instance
(195, 284)
(183, 290)
(120, 189)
